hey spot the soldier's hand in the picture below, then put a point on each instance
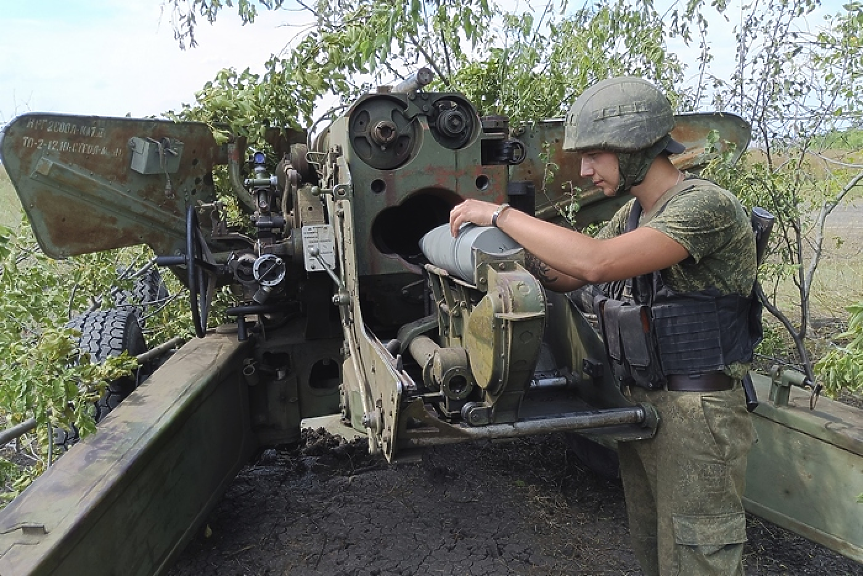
(471, 212)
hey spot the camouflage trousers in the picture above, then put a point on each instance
(684, 486)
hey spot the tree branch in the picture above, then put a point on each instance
(795, 336)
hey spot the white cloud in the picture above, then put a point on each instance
(126, 62)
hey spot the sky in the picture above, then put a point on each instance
(119, 57)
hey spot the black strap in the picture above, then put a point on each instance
(629, 284)
(634, 215)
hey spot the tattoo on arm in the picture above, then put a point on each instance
(539, 269)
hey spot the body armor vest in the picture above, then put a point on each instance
(652, 332)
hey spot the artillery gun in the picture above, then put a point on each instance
(353, 310)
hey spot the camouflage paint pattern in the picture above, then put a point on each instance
(684, 487)
(713, 227)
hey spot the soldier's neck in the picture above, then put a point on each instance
(661, 176)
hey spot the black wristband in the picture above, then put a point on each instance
(497, 213)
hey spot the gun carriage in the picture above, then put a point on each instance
(352, 306)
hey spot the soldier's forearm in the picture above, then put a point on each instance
(549, 277)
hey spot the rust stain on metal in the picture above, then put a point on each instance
(84, 190)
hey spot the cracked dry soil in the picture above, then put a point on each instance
(521, 507)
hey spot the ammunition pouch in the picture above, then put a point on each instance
(629, 342)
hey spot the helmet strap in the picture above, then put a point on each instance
(633, 166)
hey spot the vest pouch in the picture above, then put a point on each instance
(608, 313)
(640, 353)
(689, 335)
(629, 343)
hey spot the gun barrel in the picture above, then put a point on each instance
(415, 81)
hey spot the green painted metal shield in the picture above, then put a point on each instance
(89, 183)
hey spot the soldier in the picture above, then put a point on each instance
(675, 268)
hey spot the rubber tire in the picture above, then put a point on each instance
(149, 289)
(65, 439)
(107, 333)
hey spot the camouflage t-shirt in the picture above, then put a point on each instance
(714, 228)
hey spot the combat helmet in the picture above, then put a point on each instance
(627, 115)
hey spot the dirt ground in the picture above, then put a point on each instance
(521, 507)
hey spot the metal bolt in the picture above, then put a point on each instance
(384, 132)
(372, 421)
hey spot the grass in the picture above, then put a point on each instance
(838, 283)
(838, 280)
(10, 206)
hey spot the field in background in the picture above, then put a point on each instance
(839, 277)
